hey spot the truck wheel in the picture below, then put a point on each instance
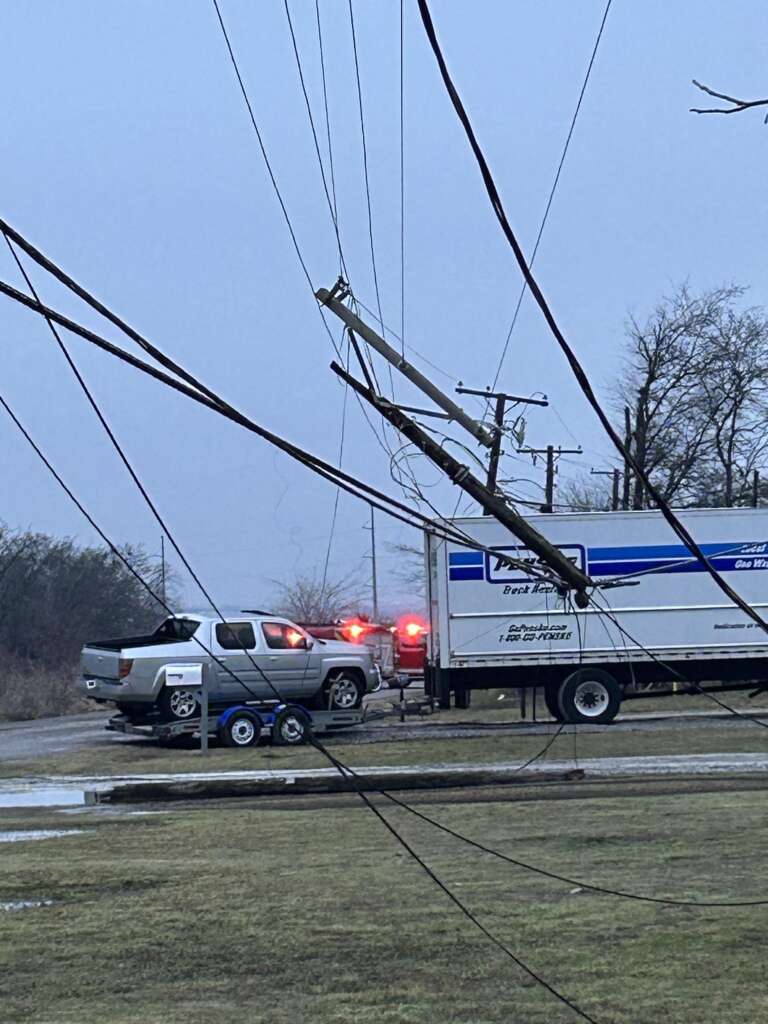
(551, 700)
(241, 729)
(589, 695)
(178, 704)
(292, 726)
(343, 693)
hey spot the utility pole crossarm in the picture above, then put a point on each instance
(462, 476)
(354, 323)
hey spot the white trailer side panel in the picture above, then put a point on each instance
(484, 613)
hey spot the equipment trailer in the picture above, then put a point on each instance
(244, 724)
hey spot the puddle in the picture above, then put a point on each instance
(40, 833)
(24, 904)
(44, 796)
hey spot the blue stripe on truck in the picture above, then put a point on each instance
(466, 558)
(470, 572)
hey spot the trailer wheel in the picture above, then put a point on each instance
(241, 729)
(589, 695)
(551, 693)
(292, 726)
(178, 703)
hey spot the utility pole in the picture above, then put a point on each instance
(551, 453)
(333, 300)
(162, 567)
(627, 449)
(498, 418)
(616, 474)
(463, 477)
(641, 430)
(373, 570)
(755, 488)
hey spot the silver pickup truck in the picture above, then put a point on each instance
(141, 673)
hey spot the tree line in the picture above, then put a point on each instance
(54, 596)
(691, 400)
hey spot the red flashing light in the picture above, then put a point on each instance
(354, 630)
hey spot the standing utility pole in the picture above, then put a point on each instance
(755, 488)
(498, 418)
(373, 570)
(616, 474)
(162, 567)
(627, 448)
(462, 476)
(551, 453)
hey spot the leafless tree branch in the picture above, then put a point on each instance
(737, 104)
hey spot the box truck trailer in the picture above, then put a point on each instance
(660, 620)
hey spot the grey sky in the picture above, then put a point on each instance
(129, 158)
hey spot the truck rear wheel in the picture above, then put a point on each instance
(178, 703)
(344, 692)
(589, 695)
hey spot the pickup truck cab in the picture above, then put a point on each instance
(142, 674)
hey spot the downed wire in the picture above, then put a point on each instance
(578, 370)
(205, 396)
(341, 768)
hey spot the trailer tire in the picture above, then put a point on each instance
(589, 695)
(178, 703)
(292, 726)
(551, 699)
(241, 729)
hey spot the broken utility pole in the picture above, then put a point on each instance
(498, 418)
(333, 300)
(551, 453)
(461, 475)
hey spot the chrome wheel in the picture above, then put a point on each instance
(344, 693)
(243, 732)
(591, 698)
(183, 703)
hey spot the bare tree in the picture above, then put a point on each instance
(735, 389)
(309, 598)
(585, 494)
(737, 105)
(409, 568)
(661, 384)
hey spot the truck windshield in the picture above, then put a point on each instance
(176, 629)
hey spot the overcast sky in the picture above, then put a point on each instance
(129, 158)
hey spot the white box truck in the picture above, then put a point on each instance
(494, 626)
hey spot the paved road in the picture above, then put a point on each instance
(45, 736)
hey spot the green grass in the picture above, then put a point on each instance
(236, 913)
(127, 757)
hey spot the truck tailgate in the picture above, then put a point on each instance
(97, 663)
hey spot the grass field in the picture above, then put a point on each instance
(126, 756)
(238, 913)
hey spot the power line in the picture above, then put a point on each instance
(331, 201)
(570, 355)
(365, 167)
(553, 190)
(343, 769)
(402, 183)
(325, 107)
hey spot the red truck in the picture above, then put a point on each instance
(399, 650)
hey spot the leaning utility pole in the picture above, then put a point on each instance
(551, 453)
(462, 476)
(616, 475)
(333, 300)
(498, 418)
